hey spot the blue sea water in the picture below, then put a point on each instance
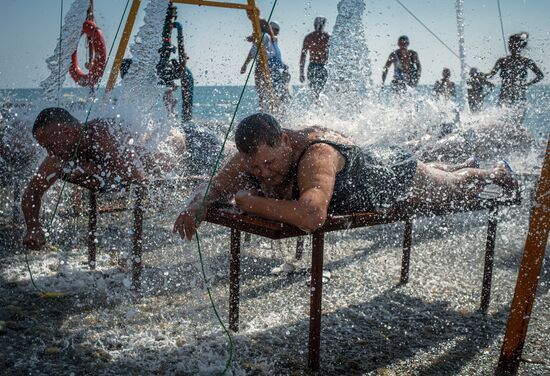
(218, 103)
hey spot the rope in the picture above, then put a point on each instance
(80, 136)
(214, 170)
(427, 28)
(502, 28)
(60, 46)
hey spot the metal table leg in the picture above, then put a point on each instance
(92, 228)
(489, 258)
(315, 294)
(234, 275)
(137, 264)
(407, 241)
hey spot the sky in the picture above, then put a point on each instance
(215, 37)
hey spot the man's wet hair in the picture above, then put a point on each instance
(256, 130)
(518, 40)
(403, 38)
(52, 115)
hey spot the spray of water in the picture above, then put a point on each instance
(70, 35)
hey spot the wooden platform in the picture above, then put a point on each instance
(402, 212)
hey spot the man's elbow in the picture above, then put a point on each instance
(315, 218)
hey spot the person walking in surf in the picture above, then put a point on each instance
(445, 88)
(475, 87)
(406, 66)
(317, 44)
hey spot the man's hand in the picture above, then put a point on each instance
(34, 238)
(185, 223)
(243, 69)
(242, 199)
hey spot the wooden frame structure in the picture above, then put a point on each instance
(405, 212)
(250, 7)
(528, 275)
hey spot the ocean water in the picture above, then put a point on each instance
(218, 103)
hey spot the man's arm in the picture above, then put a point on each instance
(416, 62)
(539, 75)
(495, 69)
(316, 177)
(303, 59)
(385, 69)
(227, 182)
(485, 81)
(249, 58)
(48, 173)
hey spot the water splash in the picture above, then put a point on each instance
(349, 81)
(140, 102)
(70, 35)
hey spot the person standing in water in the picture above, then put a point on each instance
(445, 88)
(475, 85)
(317, 44)
(406, 66)
(514, 70)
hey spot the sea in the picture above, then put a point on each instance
(219, 103)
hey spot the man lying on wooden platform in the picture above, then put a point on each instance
(301, 177)
(98, 155)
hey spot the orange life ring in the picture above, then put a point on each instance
(97, 57)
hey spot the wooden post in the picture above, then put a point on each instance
(405, 262)
(123, 44)
(234, 276)
(315, 296)
(528, 276)
(254, 15)
(92, 228)
(264, 87)
(137, 263)
(489, 259)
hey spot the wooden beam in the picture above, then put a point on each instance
(528, 275)
(219, 4)
(123, 44)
